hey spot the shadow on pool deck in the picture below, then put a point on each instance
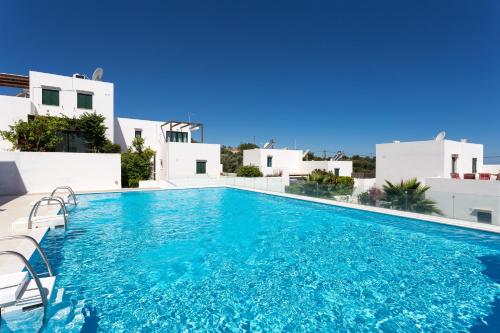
(492, 270)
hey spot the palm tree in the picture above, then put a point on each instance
(409, 195)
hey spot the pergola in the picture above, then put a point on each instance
(13, 80)
(173, 125)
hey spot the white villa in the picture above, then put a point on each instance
(461, 184)
(177, 155)
(291, 162)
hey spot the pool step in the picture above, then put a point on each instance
(26, 295)
(11, 287)
(45, 221)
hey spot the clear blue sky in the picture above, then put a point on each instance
(328, 74)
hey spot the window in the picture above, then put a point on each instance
(269, 161)
(50, 97)
(484, 217)
(138, 133)
(454, 159)
(474, 165)
(177, 136)
(201, 167)
(72, 141)
(337, 171)
(84, 101)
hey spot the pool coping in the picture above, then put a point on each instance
(415, 216)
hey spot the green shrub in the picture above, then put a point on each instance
(111, 148)
(409, 195)
(44, 133)
(371, 196)
(248, 171)
(39, 134)
(136, 164)
(323, 184)
(94, 130)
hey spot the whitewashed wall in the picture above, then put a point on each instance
(424, 159)
(461, 198)
(345, 167)
(491, 168)
(68, 86)
(125, 132)
(33, 172)
(290, 161)
(178, 160)
(12, 109)
(283, 160)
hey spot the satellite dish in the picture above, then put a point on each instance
(98, 73)
(305, 153)
(440, 136)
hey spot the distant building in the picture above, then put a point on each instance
(290, 161)
(427, 159)
(461, 184)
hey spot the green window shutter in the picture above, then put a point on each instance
(201, 167)
(84, 101)
(50, 97)
(269, 161)
(474, 165)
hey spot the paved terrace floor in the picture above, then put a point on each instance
(12, 208)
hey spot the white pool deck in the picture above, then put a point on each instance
(12, 208)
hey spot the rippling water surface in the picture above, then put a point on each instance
(231, 260)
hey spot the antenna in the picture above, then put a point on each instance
(440, 136)
(98, 73)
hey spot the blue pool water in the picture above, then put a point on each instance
(228, 260)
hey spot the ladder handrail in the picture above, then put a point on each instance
(34, 210)
(54, 198)
(69, 189)
(37, 245)
(33, 275)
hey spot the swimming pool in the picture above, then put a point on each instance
(223, 259)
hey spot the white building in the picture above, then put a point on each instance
(55, 95)
(426, 159)
(177, 155)
(460, 183)
(290, 161)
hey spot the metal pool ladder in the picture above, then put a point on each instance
(21, 287)
(50, 199)
(71, 193)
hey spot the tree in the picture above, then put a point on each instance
(311, 157)
(247, 146)
(409, 195)
(94, 130)
(232, 158)
(42, 133)
(136, 163)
